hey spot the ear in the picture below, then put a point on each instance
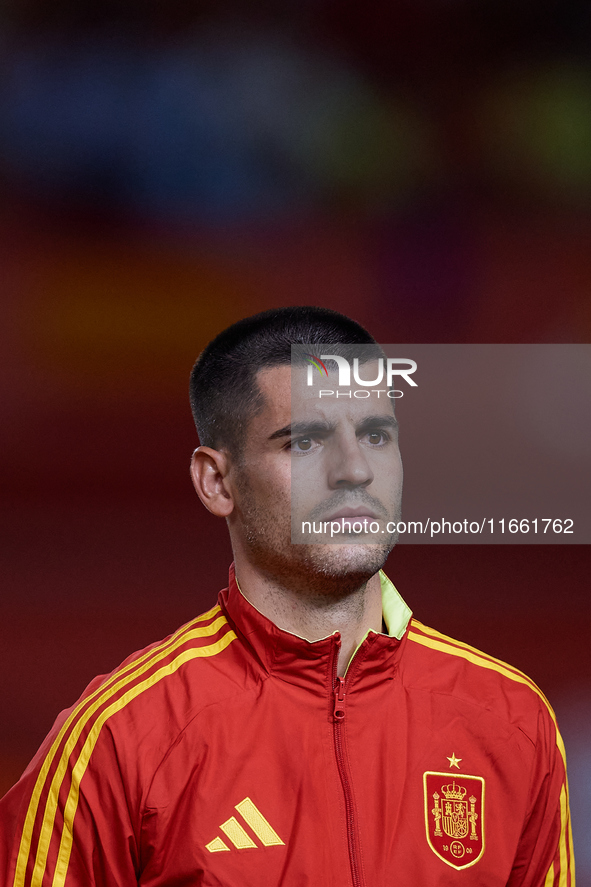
(209, 470)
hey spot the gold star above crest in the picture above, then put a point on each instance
(453, 761)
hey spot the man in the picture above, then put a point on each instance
(306, 730)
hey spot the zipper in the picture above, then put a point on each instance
(339, 710)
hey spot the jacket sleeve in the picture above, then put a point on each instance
(68, 822)
(545, 852)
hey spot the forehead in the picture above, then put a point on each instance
(288, 397)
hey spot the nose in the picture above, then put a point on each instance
(348, 464)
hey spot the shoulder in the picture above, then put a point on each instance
(124, 722)
(143, 704)
(202, 638)
(101, 753)
(173, 674)
(443, 665)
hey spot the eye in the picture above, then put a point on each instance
(377, 438)
(303, 445)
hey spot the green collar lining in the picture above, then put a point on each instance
(395, 611)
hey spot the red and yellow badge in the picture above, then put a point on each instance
(454, 817)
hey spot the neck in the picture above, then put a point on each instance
(314, 614)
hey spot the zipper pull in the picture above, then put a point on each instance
(339, 700)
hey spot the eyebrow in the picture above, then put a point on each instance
(309, 429)
(304, 428)
(377, 422)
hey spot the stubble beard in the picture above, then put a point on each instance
(318, 570)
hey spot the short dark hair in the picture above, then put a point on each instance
(223, 390)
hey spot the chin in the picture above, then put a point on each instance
(348, 560)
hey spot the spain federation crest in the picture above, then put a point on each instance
(454, 817)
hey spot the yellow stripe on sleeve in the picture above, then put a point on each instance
(570, 843)
(474, 656)
(79, 770)
(441, 643)
(114, 683)
(564, 817)
(58, 776)
(453, 642)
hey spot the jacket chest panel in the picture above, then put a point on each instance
(443, 790)
(261, 799)
(251, 788)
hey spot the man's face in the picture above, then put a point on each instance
(315, 471)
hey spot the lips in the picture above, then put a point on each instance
(358, 514)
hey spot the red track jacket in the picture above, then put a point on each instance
(231, 754)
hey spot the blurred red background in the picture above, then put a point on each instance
(425, 168)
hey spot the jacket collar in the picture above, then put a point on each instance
(298, 661)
